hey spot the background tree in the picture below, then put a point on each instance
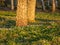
(43, 5)
(48, 2)
(21, 18)
(53, 6)
(12, 4)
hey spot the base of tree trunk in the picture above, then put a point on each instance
(21, 22)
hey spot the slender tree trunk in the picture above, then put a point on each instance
(43, 6)
(31, 10)
(56, 3)
(12, 4)
(21, 13)
(48, 3)
(53, 6)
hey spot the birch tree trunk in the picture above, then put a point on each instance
(21, 18)
(56, 3)
(43, 6)
(48, 3)
(31, 10)
(12, 4)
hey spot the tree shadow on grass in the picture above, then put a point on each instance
(6, 23)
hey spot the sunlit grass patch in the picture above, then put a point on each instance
(48, 16)
(7, 13)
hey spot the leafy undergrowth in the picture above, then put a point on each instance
(39, 15)
(30, 35)
(7, 22)
(8, 13)
(45, 31)
(48, 16)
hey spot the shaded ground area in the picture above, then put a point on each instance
(5, 9)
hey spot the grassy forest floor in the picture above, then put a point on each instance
(45, 31)
(8, 18)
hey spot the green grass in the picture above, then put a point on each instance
(30, 35)
(41, 15)
(45, 31)
(7, 13)
(42, 18)
(48, 16)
